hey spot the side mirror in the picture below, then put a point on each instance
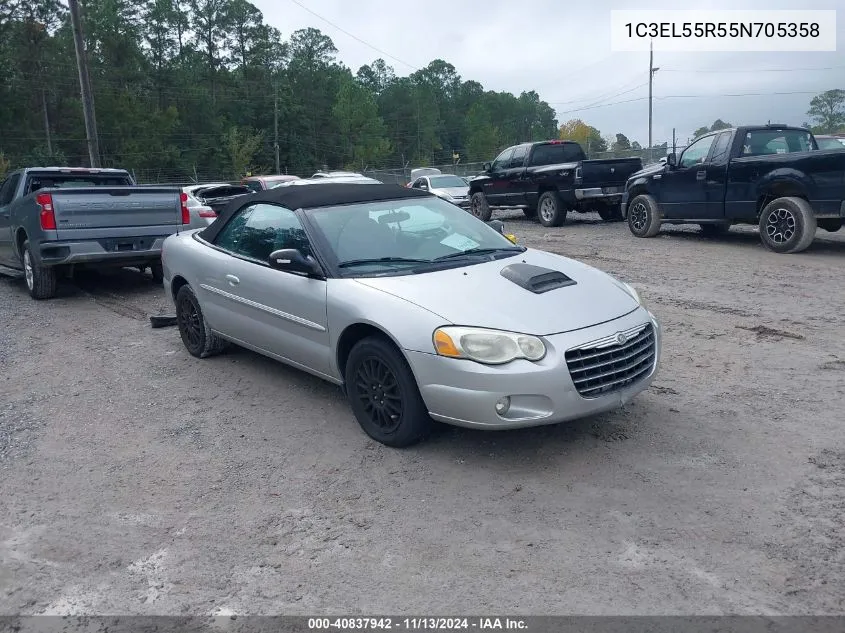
(293, 261)
(497, 225)
(672, 160)
(487, 166)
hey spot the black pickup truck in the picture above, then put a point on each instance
(549, 179)
(770, 175)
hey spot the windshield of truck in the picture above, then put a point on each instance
(767, 142)
(68, 181)
(446, 182)
(555, 153)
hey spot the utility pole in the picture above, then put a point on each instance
(674, 146)
(651, 71)
(276, 124)
(85, 86)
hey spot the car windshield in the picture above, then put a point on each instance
(830, 143)
(446, 182)
(406, 236)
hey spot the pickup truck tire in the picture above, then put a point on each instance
(787, 225)
(610, 214)
(479, 207)
(41, 281)
(197, 337)
(644, 217)
(157, 271)
(550, 209)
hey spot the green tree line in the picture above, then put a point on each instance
(194, 85)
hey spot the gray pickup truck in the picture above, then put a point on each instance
(53, 219)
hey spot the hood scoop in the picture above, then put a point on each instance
(536, 279)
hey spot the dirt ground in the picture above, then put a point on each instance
(137, 479)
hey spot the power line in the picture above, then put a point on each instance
(354, 37)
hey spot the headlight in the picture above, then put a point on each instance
(491, 347)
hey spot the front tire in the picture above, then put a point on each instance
(479, 207)
(644, 217)
(787, 225)
(550, 209)
(197, 337)
(41, 281)
(383, 394)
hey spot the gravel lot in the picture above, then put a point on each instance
(137, 479)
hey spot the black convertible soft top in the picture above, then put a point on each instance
(327, 194)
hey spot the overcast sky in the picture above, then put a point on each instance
(562, 50)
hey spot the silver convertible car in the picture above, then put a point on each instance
(417, 309)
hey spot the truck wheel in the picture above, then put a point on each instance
(787, 225)
(610, 214)
(197, 337)
(644, 217)
(40, 280)
(157, 271)
(714, 230)
(550, 209)
(479, 207)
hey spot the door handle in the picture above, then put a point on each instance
(701, 175)
(233, 281)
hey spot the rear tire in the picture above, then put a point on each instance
(41, 281)
(479, 207)
(384, 395)
(644, 217)
(157, 271)
(787, 225)
(716, 229)
(610, 214)
(550, 209)
(197, 337)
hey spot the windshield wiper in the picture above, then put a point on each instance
(481, 251)
(382, 260)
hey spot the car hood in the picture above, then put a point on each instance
(479, 295)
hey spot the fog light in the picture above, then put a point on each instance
(502, 405)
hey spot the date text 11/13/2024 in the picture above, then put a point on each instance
(417, 624)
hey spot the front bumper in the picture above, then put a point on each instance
(464, 393)
(101, 252)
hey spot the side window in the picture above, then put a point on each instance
(502, 159)
(8, 190)
(419, 183)
(518, 158)
(697, 152)
(720, 149)
(259, 229)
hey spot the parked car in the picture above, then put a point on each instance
(419, 172)
(770, 175)
(549, 179)
(830, 142)
(201, 214)
(53, 219)
(449, 188)
(396, 296)
(261, 183)
(217, 196)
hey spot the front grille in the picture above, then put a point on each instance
(604, 366)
